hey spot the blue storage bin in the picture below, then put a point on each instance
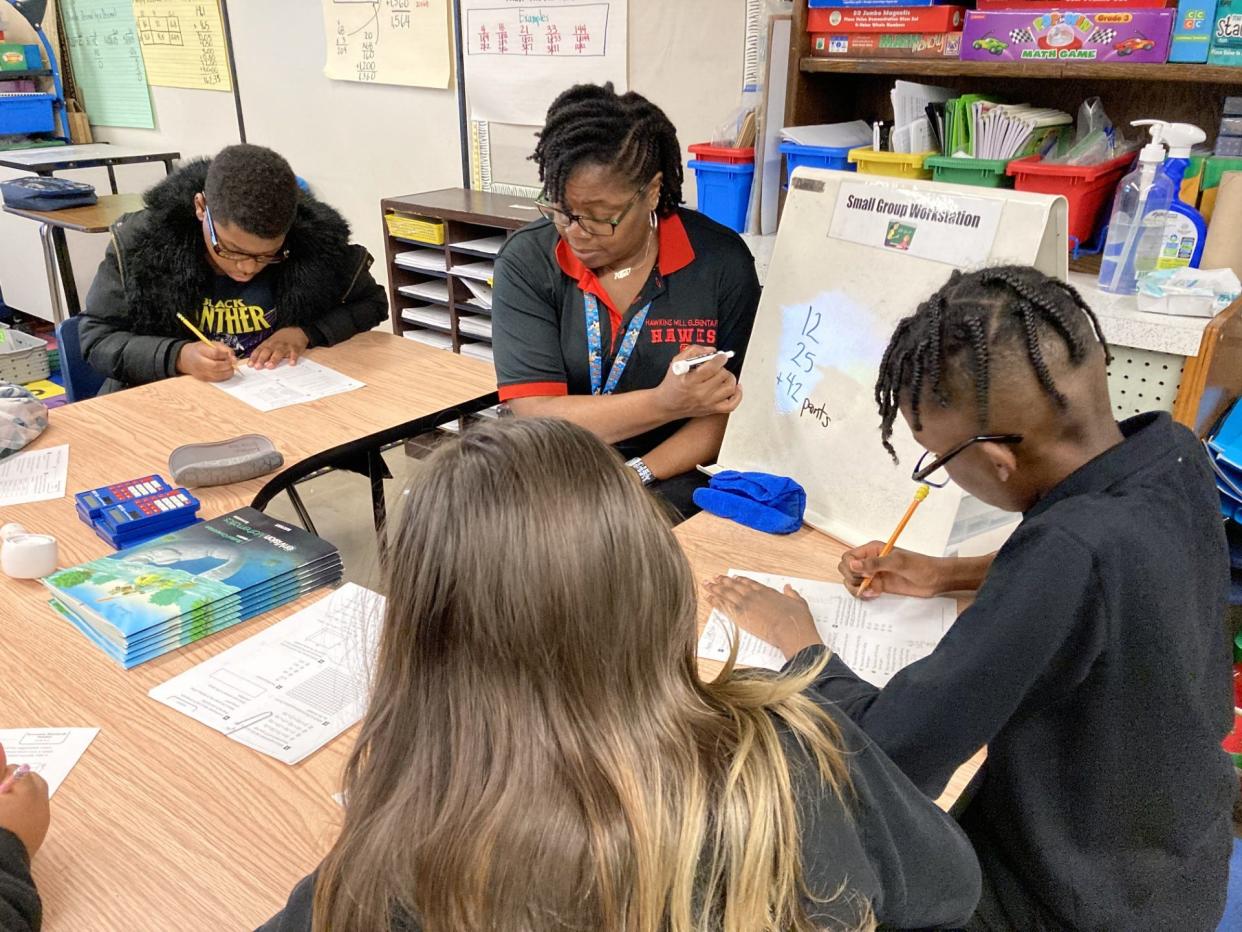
(836, 157)
(724, 191)
(26, 113)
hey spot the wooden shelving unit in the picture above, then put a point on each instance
(430, 296)
(823, 90)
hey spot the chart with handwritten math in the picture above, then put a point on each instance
(387, 41)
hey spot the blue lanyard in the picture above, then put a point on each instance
(595, 354)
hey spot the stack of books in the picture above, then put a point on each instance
(884, 29)
(179, 588)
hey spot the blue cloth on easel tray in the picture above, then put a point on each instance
(774, 504)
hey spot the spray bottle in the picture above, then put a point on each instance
(1136, 225)
(1185, 230)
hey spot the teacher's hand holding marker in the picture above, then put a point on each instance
(24, 809)
(698, 384)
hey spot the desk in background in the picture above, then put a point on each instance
(164, 823)
(52, 159)
(97, 218)
(714, 546)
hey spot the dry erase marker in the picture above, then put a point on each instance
(12, 778)
(919, 494)
(682, 366)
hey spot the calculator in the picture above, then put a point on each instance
(91, 504)
(167, 510)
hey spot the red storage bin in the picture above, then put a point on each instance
(706, 152)
(1088, 188)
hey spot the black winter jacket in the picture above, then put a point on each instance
(156, 265)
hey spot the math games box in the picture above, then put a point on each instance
(1138, 36)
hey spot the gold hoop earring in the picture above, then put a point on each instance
(654, 220)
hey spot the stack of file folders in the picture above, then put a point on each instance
(148, 600)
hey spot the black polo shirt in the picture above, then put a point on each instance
(1095, 666)
(703, 291)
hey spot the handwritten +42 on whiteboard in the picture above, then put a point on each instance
(574, 31)
(795, 373)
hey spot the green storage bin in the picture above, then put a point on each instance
(982, 173)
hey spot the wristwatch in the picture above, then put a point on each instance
(644, 474)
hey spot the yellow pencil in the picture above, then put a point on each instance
(919, 494)
(198, 333)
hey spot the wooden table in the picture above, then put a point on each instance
(714, 546)
(165, 824)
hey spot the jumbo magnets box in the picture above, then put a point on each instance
(1135, 35)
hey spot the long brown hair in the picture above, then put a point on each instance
(540, 751)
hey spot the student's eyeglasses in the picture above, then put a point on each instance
(232, 255)
(562, 219)
(925, 467)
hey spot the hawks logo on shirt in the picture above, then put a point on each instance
(682, 333)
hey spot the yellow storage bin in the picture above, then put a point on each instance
(892, 164)
(419, 229)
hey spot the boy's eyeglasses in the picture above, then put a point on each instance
(563, 220)
(231, 255)
(923, 468)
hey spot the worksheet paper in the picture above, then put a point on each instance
(293, 687)
(49, 752)
(874, 638)
(269, 389)
(34, 476)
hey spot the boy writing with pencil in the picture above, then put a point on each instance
(231, 244)
(1094, 662)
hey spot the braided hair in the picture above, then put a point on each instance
(627, 132)
(973, 317)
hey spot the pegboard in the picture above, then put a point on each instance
(1143, 380)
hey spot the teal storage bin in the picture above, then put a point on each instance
(983, 173)
(724, 191)
(26, 113)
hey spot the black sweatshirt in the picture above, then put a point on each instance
(20, 907)
(1095, 665)
(888, 847)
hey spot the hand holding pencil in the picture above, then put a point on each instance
(208, 360)
(879, 567)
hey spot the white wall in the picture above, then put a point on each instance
(356, 143)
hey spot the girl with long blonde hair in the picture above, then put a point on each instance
(540, 752)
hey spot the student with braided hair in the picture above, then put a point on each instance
(1094, 663)
(595, 301)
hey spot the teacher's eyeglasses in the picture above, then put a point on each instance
(591, 226)
(929, 464)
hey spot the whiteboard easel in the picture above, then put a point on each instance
(828, 309)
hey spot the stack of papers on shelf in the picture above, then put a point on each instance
(421, 260)
(290, 689)
(487, 244)
(151, 599)
(876, 639)
(481, 291)
(478, 351)
(431, 316)
(832, 135)
(1005, 131)
(475, 324)
(428, 291)
(912, 127)
(483, 270)
(430, 338)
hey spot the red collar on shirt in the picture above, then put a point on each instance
(675, 254)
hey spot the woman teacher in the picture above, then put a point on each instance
(594, 302)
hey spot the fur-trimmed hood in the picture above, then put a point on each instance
(164, 266)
